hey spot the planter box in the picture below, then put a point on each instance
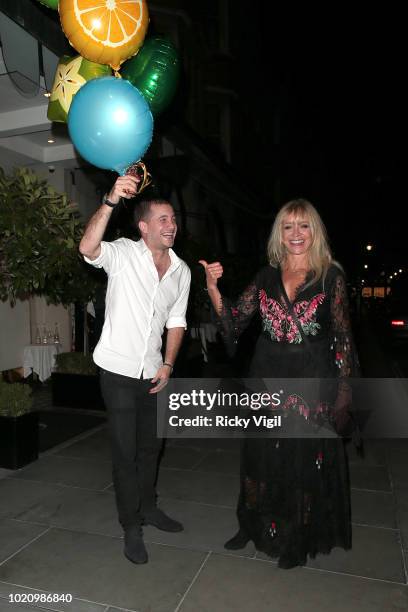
(76, 391)
(18, 440)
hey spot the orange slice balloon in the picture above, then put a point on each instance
(105, 31)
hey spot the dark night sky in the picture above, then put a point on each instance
(343, 120)
(339, 72)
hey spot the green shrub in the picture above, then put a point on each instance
(15, 399)
(75, 363)
(39, 237)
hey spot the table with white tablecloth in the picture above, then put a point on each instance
(40, 359)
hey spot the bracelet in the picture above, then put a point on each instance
(169, 366)
(108, 202)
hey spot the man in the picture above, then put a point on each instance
(148, 288)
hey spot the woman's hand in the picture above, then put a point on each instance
(342, 407)
(213, 272)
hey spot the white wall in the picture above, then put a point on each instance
(56, 178)
(10, 159)
(15, 333)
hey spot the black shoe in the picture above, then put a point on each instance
(240, 540)
(158, 519)
(134, 549)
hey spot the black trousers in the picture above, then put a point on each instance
(132, 415)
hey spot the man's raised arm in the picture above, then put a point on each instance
(90, 245)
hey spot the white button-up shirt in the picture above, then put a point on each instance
(138, 306)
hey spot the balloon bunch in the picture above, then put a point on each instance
(110, 118)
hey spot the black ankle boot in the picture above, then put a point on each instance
(159, 519)
(134, 549)
(239, 541)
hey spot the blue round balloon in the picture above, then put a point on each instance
(110, 123)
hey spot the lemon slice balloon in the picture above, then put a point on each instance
(105, 31)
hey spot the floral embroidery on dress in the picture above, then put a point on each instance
(280, 324)
(272, 529)
(320, 413)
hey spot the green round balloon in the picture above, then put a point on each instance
(52, 4)
(154, 71)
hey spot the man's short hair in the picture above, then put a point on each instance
(143, 209)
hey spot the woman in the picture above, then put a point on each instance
(295, 496)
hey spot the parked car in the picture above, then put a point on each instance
(398, 322)
(397, 313)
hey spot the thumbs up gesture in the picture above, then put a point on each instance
(213, 272)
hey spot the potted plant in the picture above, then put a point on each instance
(18, 426)
(75, 382)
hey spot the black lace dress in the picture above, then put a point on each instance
(295, 494)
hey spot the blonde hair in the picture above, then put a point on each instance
(320, 257)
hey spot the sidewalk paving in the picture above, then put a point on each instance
(59, 534)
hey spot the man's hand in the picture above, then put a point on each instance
(213, 272)
(160, 379)
(124, 187)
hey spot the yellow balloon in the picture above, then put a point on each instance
(105, 31)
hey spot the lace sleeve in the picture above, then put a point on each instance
(342, 345)
(346, 364)
(236, 315)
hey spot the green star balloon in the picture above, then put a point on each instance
(52, 4)
(154, 71)
(71, 74)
